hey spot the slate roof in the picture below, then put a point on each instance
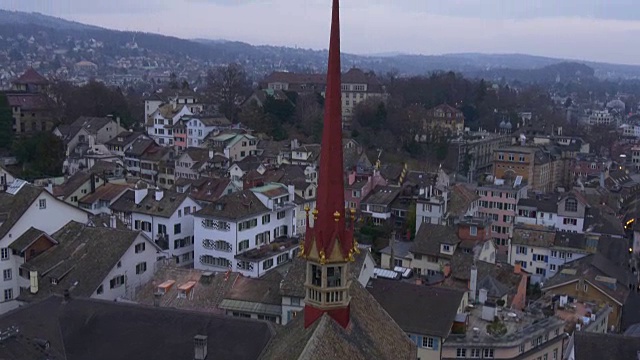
(433, 309)
(430, 236)
(533, 235)
(196, 154)
(72, 184)
(126, 136)
(92, 124)
(601, 220)
(138, 147)
(208, 190)
(31, 76)
(26, 239)
(106, 192)
(12, 207)
(371, 334)
(504, 274)
(166, 207)
(236, 206)
(590, 267)
(548, 204)
(68, 132)
(256, 290)
(461, 199)
(84, 256)
(597, 346)
(382, 195)
(29, 101)
(215, 121)
(570, 240)
(88, 329)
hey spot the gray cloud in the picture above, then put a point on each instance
(578, 29)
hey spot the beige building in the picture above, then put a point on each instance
(235, 147)
(356, 88)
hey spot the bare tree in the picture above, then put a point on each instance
(228, 86)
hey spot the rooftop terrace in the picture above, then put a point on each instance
(278, 246)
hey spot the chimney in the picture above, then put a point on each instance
(118, 122)
(156, 299)
(112, 221)
(517, 269)
(473, 284)
(159, 194)
(200, 347)
(139, 195)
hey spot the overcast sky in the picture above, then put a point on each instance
(599, 30)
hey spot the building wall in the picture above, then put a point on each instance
(54, 216)
(243, 148)
(83, 190)
(127, 267)
(187, 229)
(515, 162)
(234, 236)
(502, 212)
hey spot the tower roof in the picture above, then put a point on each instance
(31, 76)
(329, 240)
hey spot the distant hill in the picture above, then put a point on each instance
(55, 33)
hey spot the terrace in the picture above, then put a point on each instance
(275, 248)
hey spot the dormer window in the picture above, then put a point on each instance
(571, 205)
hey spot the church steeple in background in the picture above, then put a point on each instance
(329, 246)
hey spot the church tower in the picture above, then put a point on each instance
(329, 246)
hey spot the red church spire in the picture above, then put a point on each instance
(329, 245)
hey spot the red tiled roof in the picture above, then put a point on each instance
(31, 77)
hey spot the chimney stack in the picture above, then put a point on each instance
(200, 347)
(156, 299)
(473, 284)
(139, 194)
(112, 222)
(159, 194)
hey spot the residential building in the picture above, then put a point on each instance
(193, 162)
(542, 251)
(304, 155)
(485, 333)
(184, 97)
(165, 217)
(150, 162)
(540, 210)
(133, 155)
(127, 261)
(6, 178)
(32, 109)
(198, 128)
(472, 154)
(433, 248)
(160, 123)
(259, 98)
(123, 141)
(601, 117)
(235, 147)
(358, 86)
(443, 119)
(99, 201)
(102, 129)
(426, 314)
(543, 168)
(152, 103)
(299, 83)
(572, 209)
(594, 279)
(376, 207)
(498, 203)
(77, 186)
(21, 204)
(250, 231)
(446, 205)
(359, 186)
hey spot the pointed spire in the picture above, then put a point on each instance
(330, 197)
(329, 245)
